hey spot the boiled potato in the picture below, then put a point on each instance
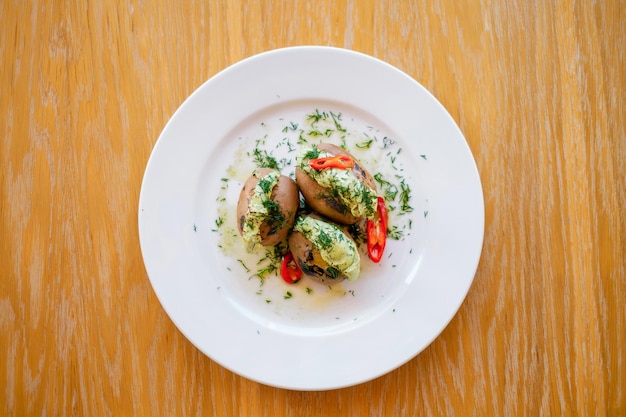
(281, 208)
(326, 201)
(313, 239)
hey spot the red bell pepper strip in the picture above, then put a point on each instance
(377, 232)
(290, 270)
(337, 161)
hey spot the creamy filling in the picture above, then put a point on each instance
(258, 210)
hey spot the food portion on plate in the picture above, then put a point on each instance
(324, 251)
(317, 196)
(335, 184)
(267, 208)
(340, 204)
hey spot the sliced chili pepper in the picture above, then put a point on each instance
(377, 232)
(337, 161)
(290, 270)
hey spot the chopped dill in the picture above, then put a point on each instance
(332, 272)
(265, 271)
(394, 233)
(263, 159)
(270, 262)
(291, 126)
(290, 147)
(387, 142)
(315, 117)
(336, 120)
(390, 190)
(405, 197)
(266, 184)
(312, 153)
(324, 240)
(365, 144)
(244, 265)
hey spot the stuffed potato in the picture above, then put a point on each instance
(324, 251)
(267, 207)
(342, 194)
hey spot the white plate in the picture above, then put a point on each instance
(318, 338)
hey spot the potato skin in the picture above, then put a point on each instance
(309, 259)
(322, 199)
(285, 194)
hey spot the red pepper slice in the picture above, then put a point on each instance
(290, 270)
(337, 161)
(377, 232)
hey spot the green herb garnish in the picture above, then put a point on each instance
(324, 240)
(390, 190)
(405, 197)
(365, 144)
(394, 233)
(266, 184)
(332, 272)
(263, 159)
(336, 119)
(315, 117)
(244, 265)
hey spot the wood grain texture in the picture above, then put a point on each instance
(537, 87)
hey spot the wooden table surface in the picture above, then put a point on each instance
(538, 89)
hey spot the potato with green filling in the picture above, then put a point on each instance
(324, 251)
(343, 195)
(267, 207)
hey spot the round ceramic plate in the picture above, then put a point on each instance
(230, 304)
